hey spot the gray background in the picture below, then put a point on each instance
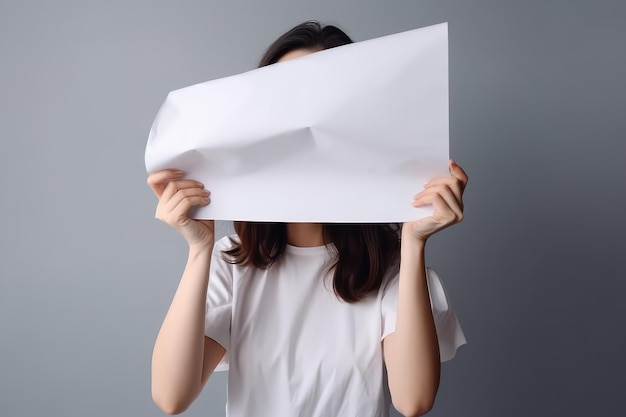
(536, 272)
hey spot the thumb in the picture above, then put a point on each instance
(458, 172)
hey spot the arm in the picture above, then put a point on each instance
(183, 358)
(411, 353)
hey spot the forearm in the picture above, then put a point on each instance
(177, 359)
(412, 351)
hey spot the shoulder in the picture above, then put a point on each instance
(390, 279)
(219, 260)
(225, 243)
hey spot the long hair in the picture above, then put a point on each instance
(364, 251)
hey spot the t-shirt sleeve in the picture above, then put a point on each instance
(219, 301)
(449, 332)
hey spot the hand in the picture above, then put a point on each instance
(176, 197)
(446, 196)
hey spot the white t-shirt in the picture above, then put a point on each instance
(295, 349)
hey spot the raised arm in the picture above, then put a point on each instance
(183, 358)
(412, 352)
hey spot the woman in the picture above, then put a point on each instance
(310, 319)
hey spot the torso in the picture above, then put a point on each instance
(296, 349)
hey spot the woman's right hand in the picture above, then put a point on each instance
(176, 197)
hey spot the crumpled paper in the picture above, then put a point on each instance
(348, 134)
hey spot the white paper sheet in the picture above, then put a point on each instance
(348, 134)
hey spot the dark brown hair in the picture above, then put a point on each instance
(364, 251)
(308, 35)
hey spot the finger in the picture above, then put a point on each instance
(452, 203)
(185, 193)
(437, 201)
(458, 172)
(159, 180)
(450, 192)
(171, 190)
(444, 213)
(451, 182)
(180, 212)
(423, 198)
(177, 206)
(430, 195)
(173, 186)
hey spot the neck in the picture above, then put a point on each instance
(305, 234)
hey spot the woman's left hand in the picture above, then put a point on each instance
(446, 196)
